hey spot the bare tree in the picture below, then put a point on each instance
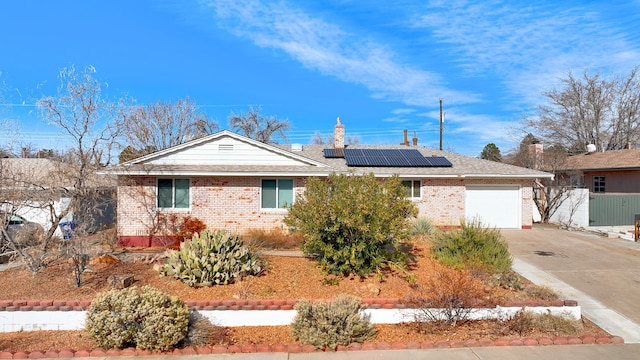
(259, 127)
(591, 110)
(318, 139)
(88, 122)
(162, 125)
(548, 194)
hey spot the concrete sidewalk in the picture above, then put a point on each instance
(565, 352)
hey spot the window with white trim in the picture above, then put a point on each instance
(277, 193)
(598, 184)
(174, 193)
(412, 188)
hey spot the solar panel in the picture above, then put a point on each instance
(390, 158)
(439, 161)
(333, 153)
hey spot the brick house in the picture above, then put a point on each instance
(235, 183)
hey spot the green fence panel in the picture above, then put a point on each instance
(613, 209)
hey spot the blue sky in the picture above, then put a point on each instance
(381, 66)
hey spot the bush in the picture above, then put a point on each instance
(275, 238)
(541, 292)
(509, 280)
(211, 258)
(329, 324)
(352, 224)
(421, 227)
(145, 318)
(202, 331)
(190, 226)
(473, 246)
(524, 322)
(447, 298)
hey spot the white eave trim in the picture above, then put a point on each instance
(326, 173)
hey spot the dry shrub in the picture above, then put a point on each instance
(104, 259)
(332, 323)
(448, 298)
(201, 331)
(524, 322)
(275, 238)
(541, 292)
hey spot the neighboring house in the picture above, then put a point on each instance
(21, 180)
(613, 181)
(26, 184)
(613, 171)
(235, 183)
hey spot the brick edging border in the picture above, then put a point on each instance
(287, 304)
(296, 348)
(264, 304)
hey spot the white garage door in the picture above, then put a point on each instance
(497, 205)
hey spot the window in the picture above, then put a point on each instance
(277, 193)
(173, 193)
(412, 188)
(598, 184)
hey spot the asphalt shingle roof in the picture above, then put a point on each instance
(462, 166)
(612, 159)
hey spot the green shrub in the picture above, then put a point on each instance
(145, 318)
(352, 224)
(473, 246)
(329, 324)
(421, 227)
(211, 258)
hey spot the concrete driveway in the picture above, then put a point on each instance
(603, 274)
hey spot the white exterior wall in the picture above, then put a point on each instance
(574, 211)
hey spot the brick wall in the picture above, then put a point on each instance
(233, 203)
(229, 203)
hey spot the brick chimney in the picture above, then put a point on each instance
(415, 139)
(536, 155)
(405, 142)
(338, 135)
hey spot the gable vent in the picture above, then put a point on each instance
(225, 147)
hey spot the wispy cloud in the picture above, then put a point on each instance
(322, 46)
(528, 47)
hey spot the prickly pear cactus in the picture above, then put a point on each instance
(211, 258)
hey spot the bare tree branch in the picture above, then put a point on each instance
(162, 125)
(256, 126)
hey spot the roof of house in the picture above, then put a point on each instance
(47, 173)
(607, 160)
(307, 160)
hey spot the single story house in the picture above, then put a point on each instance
(235, 183)
(613, 171)
(612, 179)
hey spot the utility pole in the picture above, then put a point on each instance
(441, 121)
